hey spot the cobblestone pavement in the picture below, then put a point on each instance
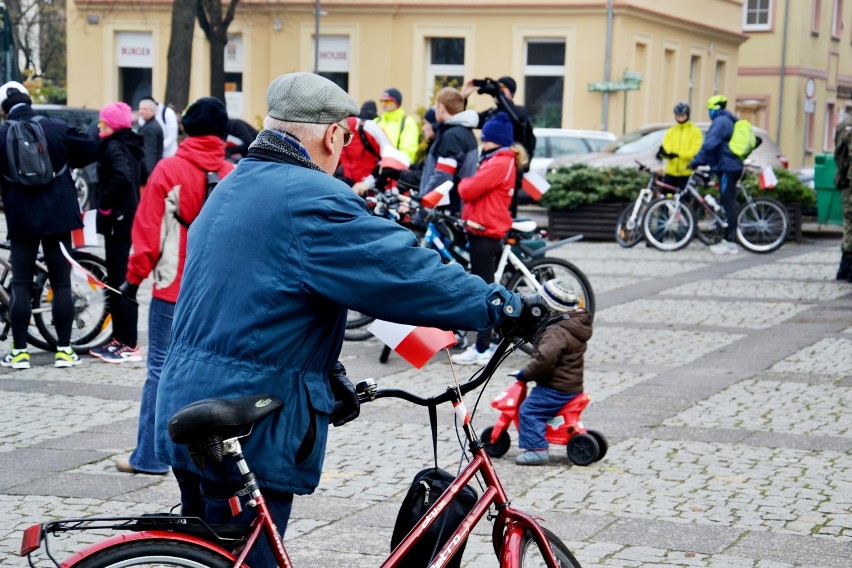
(723, 385)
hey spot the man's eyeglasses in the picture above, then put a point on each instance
(347, 134)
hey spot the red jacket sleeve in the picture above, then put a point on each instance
(145, 234)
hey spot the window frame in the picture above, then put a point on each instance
(759, 27)
(816, 16)
(559, 71)
(836, 19)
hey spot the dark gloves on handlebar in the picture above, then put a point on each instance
(346, 404)
(129, 290)
(531, 320)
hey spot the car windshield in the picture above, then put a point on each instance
(633, 142)
(565, 146)
(597, 143)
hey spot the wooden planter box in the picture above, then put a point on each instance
(596, 221)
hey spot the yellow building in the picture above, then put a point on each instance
(682, 49)
(795, 75)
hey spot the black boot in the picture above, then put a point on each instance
(845, 270)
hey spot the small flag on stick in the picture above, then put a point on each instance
(77, 269)
(535, 185)
(767, 178)
(88, 235)
(414, 344)
(438, 196)
(394, 159)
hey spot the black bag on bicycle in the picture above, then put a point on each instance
(428, 485)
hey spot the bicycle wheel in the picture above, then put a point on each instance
(531, 556)
(707, 229)
(92, 326)
(545, 269)
(668, 224)
(762, 225)
(628, 229)
(356, 326)
(156, 553)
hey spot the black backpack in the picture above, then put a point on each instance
(212, 181)
(26, 150)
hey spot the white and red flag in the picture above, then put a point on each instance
(535, 185)
(88, 235)
(438, 196)
(394, 159)
(77, 269)
(767, 178)
(447, 165)
(414, 344)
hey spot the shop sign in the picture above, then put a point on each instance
(134, 49)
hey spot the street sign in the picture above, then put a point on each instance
(607, 86)
(810, 106)
(810, 88)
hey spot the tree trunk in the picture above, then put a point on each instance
(180, 54)
(215, 28)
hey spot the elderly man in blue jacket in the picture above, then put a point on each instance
(279, 252)
(725, 164)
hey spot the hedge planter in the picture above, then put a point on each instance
(596, 221)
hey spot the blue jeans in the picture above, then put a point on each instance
(541, 405)
(208, 500)
(160, 316)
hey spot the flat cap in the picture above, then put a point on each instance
(305, 97)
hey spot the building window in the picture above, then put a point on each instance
(830, 127)
(837, 19)
(694, 74)
(333, 61)
(544, 81)
(756, 15)
(135, 58)
(719, 78)
(234, 62)
(446, 62)
(816, 14)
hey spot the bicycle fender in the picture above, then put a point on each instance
(97, 547)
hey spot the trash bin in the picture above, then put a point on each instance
(829, 207)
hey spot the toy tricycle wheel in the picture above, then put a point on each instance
(603, 445)
(583, 449)
(498, 448)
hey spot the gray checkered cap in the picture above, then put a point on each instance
(305, 97)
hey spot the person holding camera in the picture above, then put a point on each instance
(503, 92)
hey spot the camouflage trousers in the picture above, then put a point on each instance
(846, 202)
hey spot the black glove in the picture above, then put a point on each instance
(520, 376)
(490, 87)
(129, 290)
(534, 314)
(346, 405)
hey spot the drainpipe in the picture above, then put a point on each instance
(782, 74)
(607, 63)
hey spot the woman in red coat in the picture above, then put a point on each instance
(486, 198)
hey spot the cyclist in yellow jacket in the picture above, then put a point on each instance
(403, 131)
(680, 144)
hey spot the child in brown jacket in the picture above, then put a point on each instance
(557, 369)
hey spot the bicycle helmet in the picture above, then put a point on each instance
(560, 296)
(717, 102)
(681, 108)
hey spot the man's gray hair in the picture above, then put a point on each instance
(149, 104)
(304, 131)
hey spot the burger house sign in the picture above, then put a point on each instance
(134, 49)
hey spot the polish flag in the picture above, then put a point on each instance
(447, 165)
(438, 196)
(394, 159)
(414, 344)
(88, 235)
(77, 269)
(535, 185)
(767, 178)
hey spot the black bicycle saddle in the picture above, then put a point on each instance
(195, 422)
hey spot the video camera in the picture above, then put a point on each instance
(487, 86)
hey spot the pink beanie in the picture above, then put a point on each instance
(117, 115)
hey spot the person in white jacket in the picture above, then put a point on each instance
(167, 117)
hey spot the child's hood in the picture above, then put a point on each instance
(579, 323)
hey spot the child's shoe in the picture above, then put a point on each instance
(65, 357)
(17, 359)
(472, 356)
(117, 352)
(533, 457)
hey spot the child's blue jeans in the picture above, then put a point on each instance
(541, 405)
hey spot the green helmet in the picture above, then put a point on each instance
(717, 102)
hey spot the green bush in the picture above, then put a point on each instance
(579, 184)
(576, 185)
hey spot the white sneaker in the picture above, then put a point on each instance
(724, 247)
(471, 356)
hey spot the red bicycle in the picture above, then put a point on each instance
(217, 425)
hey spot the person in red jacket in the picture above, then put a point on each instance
(359, 158)
(486, 197)
(174, 195)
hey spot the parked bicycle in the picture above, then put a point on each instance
(92, 326)
(628, 228)
(522, 267)
(215, 427)
(670, 223)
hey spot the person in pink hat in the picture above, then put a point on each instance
(120, 156)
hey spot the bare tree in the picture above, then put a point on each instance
(215, 27)
(180, 53)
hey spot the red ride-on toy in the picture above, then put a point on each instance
(584, 447)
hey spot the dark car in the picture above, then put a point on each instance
(85, 119)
